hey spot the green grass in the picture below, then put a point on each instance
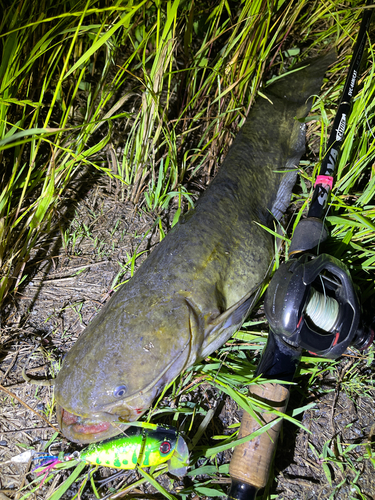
(55, 129)
(151, 94)
(186, 76)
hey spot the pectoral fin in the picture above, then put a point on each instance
(223, 326)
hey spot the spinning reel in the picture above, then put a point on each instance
(311, 303)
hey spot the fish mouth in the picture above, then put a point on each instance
(84, 430)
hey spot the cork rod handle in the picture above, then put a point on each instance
(251, 461)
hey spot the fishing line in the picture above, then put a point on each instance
(322, 310)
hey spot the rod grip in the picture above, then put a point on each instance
(251, 461)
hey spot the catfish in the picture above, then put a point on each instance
(200, 283)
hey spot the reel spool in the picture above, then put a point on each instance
(311, 303)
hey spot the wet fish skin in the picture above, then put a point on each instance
(197, 287)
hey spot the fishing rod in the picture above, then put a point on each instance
(310, 304)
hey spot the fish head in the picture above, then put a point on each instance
(119, 365)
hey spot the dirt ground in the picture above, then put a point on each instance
(328, 459)
(331, 458)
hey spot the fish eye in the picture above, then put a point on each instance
(119, 391)
(165, 447)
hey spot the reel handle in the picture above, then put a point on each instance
(251, 461)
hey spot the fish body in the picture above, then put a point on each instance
(198, 285)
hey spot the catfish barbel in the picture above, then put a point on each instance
(198, 285)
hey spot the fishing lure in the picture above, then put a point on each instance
(141, 447)
(136, 447)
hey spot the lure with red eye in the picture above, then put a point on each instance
(141, 447)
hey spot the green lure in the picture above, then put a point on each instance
(141, 447)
